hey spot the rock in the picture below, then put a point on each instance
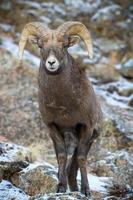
(126, 68)
(9, 192)
(82, 6)
(31, 13)
(7, 169)
(115, 165)
(10, 53)
(108, 45)
(130, 103)
(13, 158)
(6, 27)
(104, 72)
(125, 25)
(10, 153)
(125, 91)
(122, 87)
(65, 196)
(124, 163)
(36, 178)
(115, 144)
(79, 52)
(121, 117)
(45, 20)
(107, 14)
(57, 8)
(121, 191)
(31, 4)
(112, 88)
(6, 5)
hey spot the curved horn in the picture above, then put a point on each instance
(77, 28)
(34, 29)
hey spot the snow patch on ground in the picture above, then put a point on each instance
(98, 184)
(8, 44)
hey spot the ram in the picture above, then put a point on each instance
(67, 101)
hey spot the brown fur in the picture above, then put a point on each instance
(68, 105)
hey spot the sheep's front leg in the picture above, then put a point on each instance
(61, 155)
(85, 142)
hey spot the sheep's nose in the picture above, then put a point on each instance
(51, 62)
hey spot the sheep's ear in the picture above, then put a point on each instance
(74, 39)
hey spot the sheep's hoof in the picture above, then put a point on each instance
(61, 188)
(86, 192)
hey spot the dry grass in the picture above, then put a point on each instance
(120, 190)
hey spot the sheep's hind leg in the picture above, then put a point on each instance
(72, 169)
(61, 155)
(85, 143)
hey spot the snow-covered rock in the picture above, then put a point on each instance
(10, 192)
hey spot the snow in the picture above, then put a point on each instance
(77, 50)
(8, 191)
(114, 98)
(96, 183)
(10, 151)
(8, 44)
(6, 27)
(42, 164)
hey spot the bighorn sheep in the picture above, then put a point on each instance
(67, 100)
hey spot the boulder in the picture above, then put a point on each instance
(126, 68)
(31, 178)
(10, 192)
(130, 103)
(82, 6)
(112, 154)
(11, 152)
(122, 89)
(6, 5)
(115, 164)
(121, 117)
(36, 178)
(110, 45)
(13, 158)
(107, 14)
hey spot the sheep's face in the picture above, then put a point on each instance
(54, 51)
